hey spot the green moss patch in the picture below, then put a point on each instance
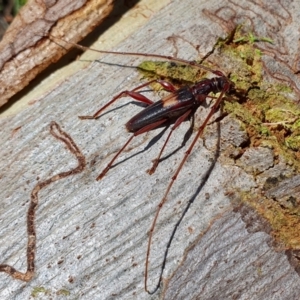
(266, 110)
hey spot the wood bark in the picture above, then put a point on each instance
(25, 50)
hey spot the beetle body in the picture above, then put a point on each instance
(177, 103)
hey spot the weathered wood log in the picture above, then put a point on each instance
(92, 236)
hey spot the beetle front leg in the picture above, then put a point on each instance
(133, 94)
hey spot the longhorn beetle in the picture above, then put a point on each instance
(177, 107)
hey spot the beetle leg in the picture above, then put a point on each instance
(140, 131)
(176, 124)
(133, 94)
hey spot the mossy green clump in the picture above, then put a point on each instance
(272, 119)
(63, 292)
(39, 290)
(177, 74)
(42, 292)
(284, 223)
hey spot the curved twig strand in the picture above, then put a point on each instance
(57, 132)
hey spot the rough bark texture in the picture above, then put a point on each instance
(92, 236)
(24, 50)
